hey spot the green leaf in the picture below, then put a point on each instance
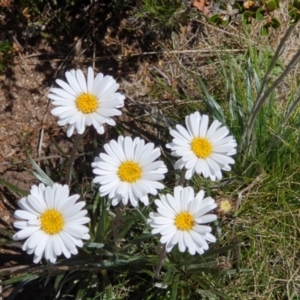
(259, 15)
(148, 272)
(213, 106)
(23, 278)
(294, 15)
(21, 285)
(13, 188)
(238, 6)
(247, 16)
(6, 233)
(217, 272)
(95, 245)
(271, 5)
(175, 286)
(40, 174)
(275, 23)
(217, 251)
(129, 261)
(265, 30)
(168, 279)
(58, 279)
(81, 292)
(215, 19)
(141, 238)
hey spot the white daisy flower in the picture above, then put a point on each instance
(84, 102)
(52, 222)
(179, 220)
(201, 149)
(129, 171)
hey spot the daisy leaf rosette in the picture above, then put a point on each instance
(179, 220)
(129, 171)
(202, 150)
(87, 101)
(51, 222)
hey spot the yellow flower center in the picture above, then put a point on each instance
(52, 221)
(225, 206)
(87, 103)
(202, 147)
(184, 221)
(130, 171)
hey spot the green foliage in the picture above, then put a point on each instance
(253, 10)
(6, 51)
(218, 20)
(163, 16)
(268, 147)
(271, 5)
(13, 187)
(257, 147)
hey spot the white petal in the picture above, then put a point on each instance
(24, 233)
(39, 250)
(24, 215)
(203, 126)
(81, 81)
(73, 83)
(66, 87)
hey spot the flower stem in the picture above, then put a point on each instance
(117, 222)
(142, 215)
(207, 188)
(106, 283)
(72, 158)
(161, 255)
(181, 179)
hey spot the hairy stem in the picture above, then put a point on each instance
(117, 222)
(72, 158)
(161, 251)
(181, 179)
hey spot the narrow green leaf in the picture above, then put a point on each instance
(20, 278)
(121, 262)
(21, 285)
(148, 272)
(265, 30)
(40, 174)
(58, 280)
(213, 252)
(6, 233)
(142, 237)
(95, 245)
(213, 106)
(168, 277)
(175, 287)
(13, 188)
(81, 293)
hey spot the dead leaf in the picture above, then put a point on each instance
(200, 5)
(5, 3)
(248, 4)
